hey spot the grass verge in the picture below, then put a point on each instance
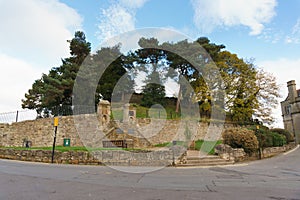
(210, 145)
(65, 149)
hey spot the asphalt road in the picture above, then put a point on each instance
(277, 178)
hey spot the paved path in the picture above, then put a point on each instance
(276, 178)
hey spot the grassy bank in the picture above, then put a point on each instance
(64, 149)
(196, 146)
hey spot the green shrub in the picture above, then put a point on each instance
(264, 138)
(241, 138)
(289, 137)
(269, 138)
(278, 139)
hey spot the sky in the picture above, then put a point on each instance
(34, 33)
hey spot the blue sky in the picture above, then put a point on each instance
(34, 33)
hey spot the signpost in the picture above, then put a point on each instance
(54, 140)
(260, 142)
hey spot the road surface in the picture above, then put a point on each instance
(277, 178)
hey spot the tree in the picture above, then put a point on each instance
(152, 60)
(191, 53)
(239, 80)
(267, 94)
(244, 98)
(55, 88)
(248, 91)
(115, 78)
(153, 93)
(33, 97)
(79, 48)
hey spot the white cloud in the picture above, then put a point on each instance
(133, 3)
(118, 18)
(37, 29)
(295, 35)
(219, 13)
(296, 28)
(33, 40)
(271, 35)
(115, 20)
(129, 40)
(14, 82)
(284, 70)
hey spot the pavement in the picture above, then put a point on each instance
(273, 178)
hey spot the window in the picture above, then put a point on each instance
(288, 110)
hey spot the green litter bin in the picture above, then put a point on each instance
(67, 142)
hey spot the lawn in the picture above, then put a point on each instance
(209, 145)
(143, 112)
(63, 149)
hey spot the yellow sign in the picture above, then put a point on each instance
(257, 127)
(55, 121)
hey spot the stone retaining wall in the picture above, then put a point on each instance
(272, 151)
(103, 157)
(146, 132)
(228, 153)
(238, 154)
(72, 157)
(39, 132)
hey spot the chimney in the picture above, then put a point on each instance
(292, 91)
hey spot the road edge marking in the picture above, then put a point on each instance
(286, 153)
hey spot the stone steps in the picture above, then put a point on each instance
(194, 159)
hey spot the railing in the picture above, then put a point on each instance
(17, 116)
(26, 114)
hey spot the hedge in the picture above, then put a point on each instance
(268, 138)
(287, 134)
(241, 138)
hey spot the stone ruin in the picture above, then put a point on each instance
(104, 112)
(144, 132)
(117, 131)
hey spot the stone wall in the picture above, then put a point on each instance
(228, 153)
(144, 132)
(103, 157)
(148, 132)
(72, 157)
(238, 154)
(40, 132)
(272, 151)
